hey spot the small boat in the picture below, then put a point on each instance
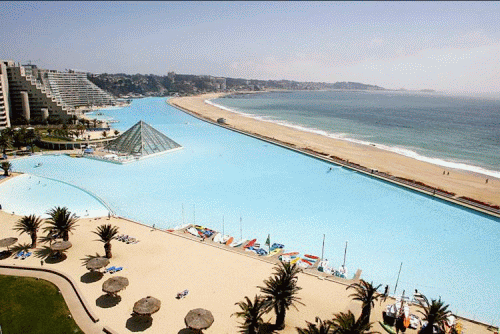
(290, 254)
(218, 238)
(37, 165)
(229, 241)
(311, 257)
(388, 329)
(251, 243)
(180, 227)
(277, 246)
(309, 263)
(274, 252)
(238, 243)
(303, 263)
(194, 231)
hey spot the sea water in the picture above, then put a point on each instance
(257, 189)
(451, 131)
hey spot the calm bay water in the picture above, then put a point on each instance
(456, 132)
(446, 251)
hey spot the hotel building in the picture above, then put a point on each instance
(35, 94)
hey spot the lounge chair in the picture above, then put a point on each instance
(131, 241)
(19, 255)
(182, 294)
(116, 270)
(26, 255)
(107, 270)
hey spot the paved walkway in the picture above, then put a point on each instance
(73, 300)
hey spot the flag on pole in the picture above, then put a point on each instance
(268, 240)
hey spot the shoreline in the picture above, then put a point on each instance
(389, 165)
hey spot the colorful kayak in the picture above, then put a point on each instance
(290, 254)
(307, 262)
(312, 257)
(229, 241)
(295, 260)
(274, 252)
(251, 243)
(388, 329)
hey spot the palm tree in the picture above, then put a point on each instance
(435, 313)
(29, 225)
(61, 221)
(7, 167)
(367, 294)
(252, 314)
(280, 291)
(5, 140)
(324, 327)
(346, 323)
(107, 233)
(30, 138)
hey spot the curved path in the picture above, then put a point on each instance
(80, 310)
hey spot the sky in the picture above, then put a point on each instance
(446, 46)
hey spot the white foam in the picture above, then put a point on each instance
(342, 136)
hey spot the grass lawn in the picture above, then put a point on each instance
(33, 306)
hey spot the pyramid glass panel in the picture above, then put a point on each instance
(142, 140)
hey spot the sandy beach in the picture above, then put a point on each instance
(163, 264)
(462, 183)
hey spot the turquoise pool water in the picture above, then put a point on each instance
(30, 194)
(446, 251)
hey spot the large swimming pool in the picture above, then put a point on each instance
(446, 251)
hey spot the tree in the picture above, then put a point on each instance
(29, 225)
(81, 129)
(280, 291)
(346, 323)
(30, 138)
(107, 233)
(7, 167)
(324, 327)
(367, 294)
(252, 314)
(434, 313)
(61, 221)
(5, 140)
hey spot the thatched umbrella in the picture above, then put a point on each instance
(199, 319)
(147, 306)
(8, 242)
(97, 263)
(114, 285)
(60, 246)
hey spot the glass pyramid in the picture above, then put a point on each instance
(142, 140)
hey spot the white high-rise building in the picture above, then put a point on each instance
(4, 97)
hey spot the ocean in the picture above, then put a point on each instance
(450, 131)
